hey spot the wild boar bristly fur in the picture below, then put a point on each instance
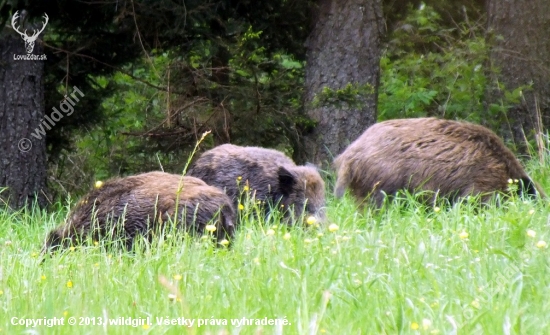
(269, 175)
(452, 158)
(123, 208)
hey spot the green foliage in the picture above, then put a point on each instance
(457, 269)
(266, 92)
(93, 39)
(430, 70)
(113, 146)
(154, 116)
(185, 50)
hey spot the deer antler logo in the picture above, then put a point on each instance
(29, 40)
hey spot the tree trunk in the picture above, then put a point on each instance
(22, 156)
(343, 48)
(521, 49)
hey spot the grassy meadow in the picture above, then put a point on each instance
(409, 269)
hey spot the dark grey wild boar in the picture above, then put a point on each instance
(270, 175)
(123, 208)
(452, 158)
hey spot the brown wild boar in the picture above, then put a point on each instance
(268, 174)
(123, 208)
(452, 158)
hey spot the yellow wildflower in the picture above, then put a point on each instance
(311, 220)
(541, 244)
(333, 227)
(463, 235)
(224, 242)
(270, 232)
(286, 236)
(177, 277)
(210, 227)
(414, 326)
(69, 284)
(241, 207)
(531, 233)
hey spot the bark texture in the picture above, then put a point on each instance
(22, 156)
(520, 34)
(343, 47)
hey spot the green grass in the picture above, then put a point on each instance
(457, 270)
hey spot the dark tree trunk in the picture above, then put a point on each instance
(22, 156)
(342, 48)
(519, 31)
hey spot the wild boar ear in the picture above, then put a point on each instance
(286, 180)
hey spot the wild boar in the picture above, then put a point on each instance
(268, 174)
(452, 158)
(123, 208)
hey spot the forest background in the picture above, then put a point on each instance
(304, 77)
